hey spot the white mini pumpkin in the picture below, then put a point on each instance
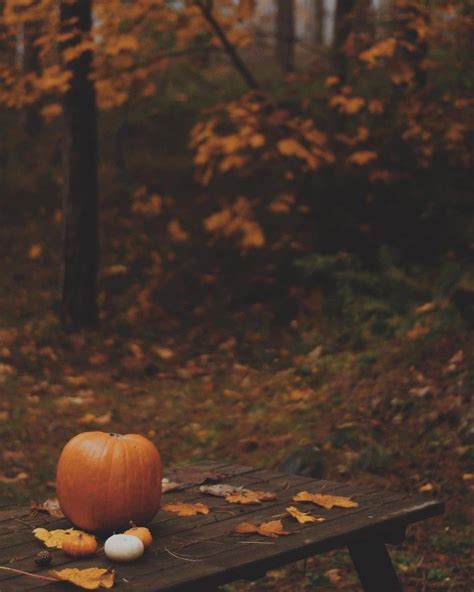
(123, 547)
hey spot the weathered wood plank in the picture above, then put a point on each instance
(198, 553)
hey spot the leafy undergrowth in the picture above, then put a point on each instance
(259, 384)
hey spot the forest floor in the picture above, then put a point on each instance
(247, 379)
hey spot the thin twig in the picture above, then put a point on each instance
(255, 542)
(229, 48)
(178, 556)
(22, 521)
(27, 573)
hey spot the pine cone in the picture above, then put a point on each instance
(43, 558)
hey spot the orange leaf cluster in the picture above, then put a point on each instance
(272, 529)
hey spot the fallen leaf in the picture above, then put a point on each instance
(89, 579)
(302, 517)
(35, 252)
(468, 476)
(167, 485)
(324, 500)
(221, 490)
(98, 359)
(362, 157)
(183, 509)
(19, 477)
(177, 232)
(53, 538)
(333, 575)
(418, 330)
(426, 488)
(195, 476)
(91, 418)
(50, 506)
(271, 529)
(165, 353)
(245, 527)
(250, 497)
(117, 269)
(425, 308)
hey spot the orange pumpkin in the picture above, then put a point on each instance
(140, 532)
(79, 544)
(104, 481)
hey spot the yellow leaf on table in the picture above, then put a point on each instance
(53, 538)
(325, 500)
(183, 509)
(271, 529)
(89, 579)
(250, 497)
(302, 517)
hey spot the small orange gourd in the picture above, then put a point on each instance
(140, 532)
(79, 544)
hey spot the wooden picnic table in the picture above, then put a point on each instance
(200, 553)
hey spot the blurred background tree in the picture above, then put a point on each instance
(361, 127)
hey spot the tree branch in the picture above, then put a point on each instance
(230, 49)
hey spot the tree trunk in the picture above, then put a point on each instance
(318, 22)
(343, 23)
(80, 199)
(285, 35)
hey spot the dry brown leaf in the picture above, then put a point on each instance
(302, 517)
(183, 509)
(53, 538)
(89, 579)
(325, 500)
(167, 485)
(245, 527)
(91, 418)
(221, 490)
(22, 476)
(271, 529)
(250, 497)
(51, 506)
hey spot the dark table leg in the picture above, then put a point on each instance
(374, 567)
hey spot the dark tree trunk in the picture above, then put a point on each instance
(285, 35)
(318, 22)
(343, 23)
(80, 200)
